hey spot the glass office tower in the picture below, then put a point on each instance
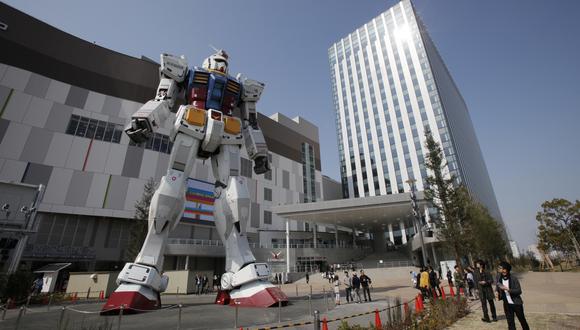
(390, 86)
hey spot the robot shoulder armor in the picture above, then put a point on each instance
(251, 89)
(173, 67)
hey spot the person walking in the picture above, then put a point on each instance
(413, 278)
(198, 282)
(434, 283)
(449, 277)
(424, 283)
(356, 287)
(307, 278)
(510, 291)
(458, 279)
(486, 292)
(365, 282)
(336, 290)
(347, 281)
(470, 283)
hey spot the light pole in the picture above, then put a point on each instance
(417, 218)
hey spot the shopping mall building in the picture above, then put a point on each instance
(63, 105)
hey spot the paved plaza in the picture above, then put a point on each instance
(552, 301)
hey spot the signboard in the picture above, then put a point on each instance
(199, 200)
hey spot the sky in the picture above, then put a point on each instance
(516, 64)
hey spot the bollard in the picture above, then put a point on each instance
(316, 320)
(310, 304)
(296, 290)
(61, 318)
(279, 311)
(22, 309)
(49, 302)
(236, 316)
(179, 317)
(120, 317)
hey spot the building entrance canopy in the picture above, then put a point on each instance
(369, 213)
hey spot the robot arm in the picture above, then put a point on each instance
(154, 113)
(253, 137)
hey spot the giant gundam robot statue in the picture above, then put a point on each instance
(204, 128)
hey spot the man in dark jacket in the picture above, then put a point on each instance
(510, 291)
(365, 281)
(485, 282)
(356, 287)
(434, 282)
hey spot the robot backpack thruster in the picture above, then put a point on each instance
(204, 128)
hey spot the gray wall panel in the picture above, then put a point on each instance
(37, 145)
(37, 85)
(255, 215)
(133, 159)
(78, 190)
(112, 106)
(3, 128)
(117, 193)
(58, 118)
(37, 174)
(77, 97)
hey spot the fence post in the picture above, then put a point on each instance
(316, 320)
(22, 309)
(120, 317)
(179, 317)
(61, 318)
(236, 317)
(310, 304)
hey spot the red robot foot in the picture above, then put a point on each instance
(133, 298)
(258, 294)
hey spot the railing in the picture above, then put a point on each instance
(199, 242)
(205, 242)
(49, 251)
(392, 263)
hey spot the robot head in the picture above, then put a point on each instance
(217, 62)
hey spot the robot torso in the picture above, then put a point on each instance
(213, 90)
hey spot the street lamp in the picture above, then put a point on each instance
(417, 218)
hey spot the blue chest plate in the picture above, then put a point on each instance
(209, 90)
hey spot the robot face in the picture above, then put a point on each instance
(217, 62)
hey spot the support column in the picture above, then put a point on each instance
(403, 232)
(391, 234)
(435, 260)
(186, 263)
(353, 237)
(287, 246)
(314, 235)
(335, 236)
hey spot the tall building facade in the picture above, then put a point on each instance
(390, 86)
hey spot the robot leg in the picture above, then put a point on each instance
(140, 283)
(245, 280)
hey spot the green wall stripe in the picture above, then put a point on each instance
(6, 102)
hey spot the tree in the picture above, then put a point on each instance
(559, 224)
(450, 200)
(487, 234)
(139, 226)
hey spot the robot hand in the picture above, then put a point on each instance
(261, 164)
(139, 130)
